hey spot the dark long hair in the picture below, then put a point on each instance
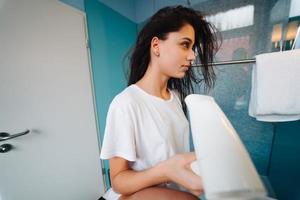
(172, 19)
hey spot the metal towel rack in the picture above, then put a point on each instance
(231, 62)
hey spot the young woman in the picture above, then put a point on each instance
(147, 133)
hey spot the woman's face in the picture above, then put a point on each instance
(176, 52)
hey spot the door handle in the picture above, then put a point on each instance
(6, 136)
(5, 148)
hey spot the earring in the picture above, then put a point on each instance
(157, 53)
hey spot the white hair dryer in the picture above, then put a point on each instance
(222, 160)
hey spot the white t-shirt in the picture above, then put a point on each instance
(144, 129)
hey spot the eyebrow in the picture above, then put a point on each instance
(186, 38)
(189, 40)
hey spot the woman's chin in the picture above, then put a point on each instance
(180, 75)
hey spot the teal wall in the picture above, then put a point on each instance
(284, 172)
(232, 93)
(111, 36)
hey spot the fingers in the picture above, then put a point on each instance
(194, 180)
(189, 157)
(179, 171)
(197, 193)
(188, 179)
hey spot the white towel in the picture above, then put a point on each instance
(275, 92)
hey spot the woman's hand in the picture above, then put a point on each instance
(177, 169)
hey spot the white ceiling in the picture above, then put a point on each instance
(140, 10)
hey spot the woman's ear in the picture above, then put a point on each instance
(155, 46)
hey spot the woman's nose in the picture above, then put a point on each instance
(191, 56)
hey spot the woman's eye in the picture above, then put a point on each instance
(185, 45)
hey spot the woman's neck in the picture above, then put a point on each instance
(154, 83)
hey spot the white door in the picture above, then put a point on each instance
(45, 86)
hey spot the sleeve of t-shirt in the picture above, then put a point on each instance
(119, 134)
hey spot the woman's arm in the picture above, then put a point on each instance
(126, 181)
(176, 169)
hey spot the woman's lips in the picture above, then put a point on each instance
(186, 67)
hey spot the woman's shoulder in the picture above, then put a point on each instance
(176, 94)
(125, 98)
